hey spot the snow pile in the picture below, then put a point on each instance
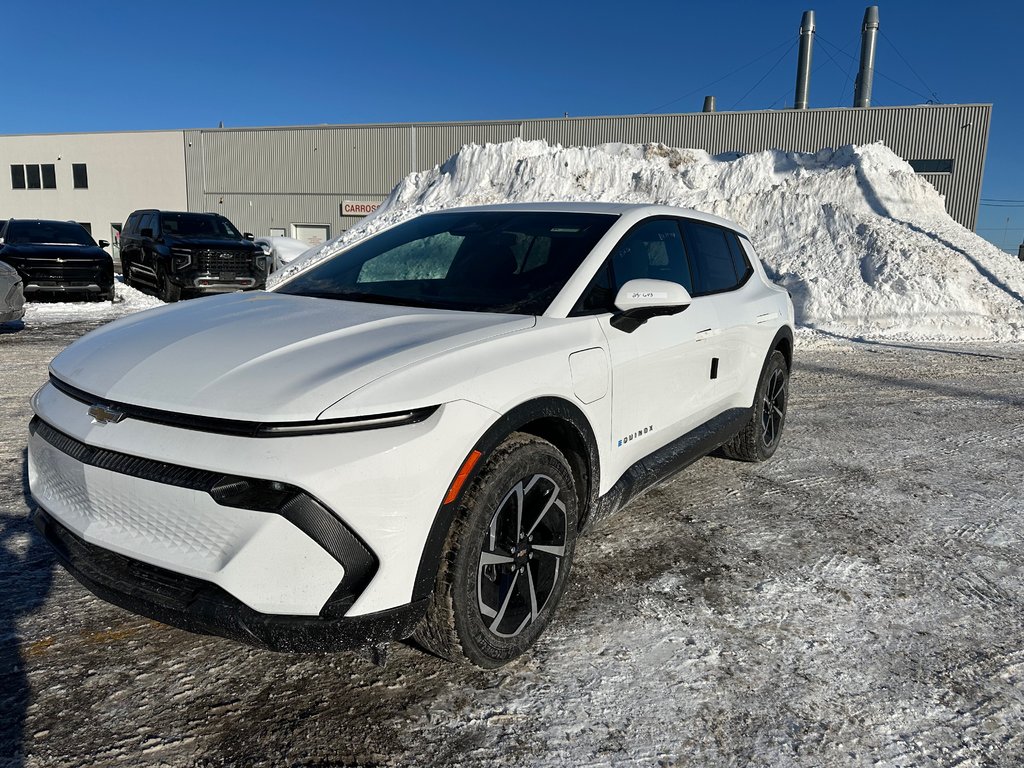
(863, 243)
(126, 301)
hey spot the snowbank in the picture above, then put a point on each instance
(126, 301)
(863, 243)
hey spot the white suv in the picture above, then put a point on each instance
(408, 437)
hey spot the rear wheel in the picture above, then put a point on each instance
(508, 557)
(760, 437)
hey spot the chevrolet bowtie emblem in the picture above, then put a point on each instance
(103, 415)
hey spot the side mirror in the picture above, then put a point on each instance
(104, 243)
(640, 300)
(146, 232)
(248, 235)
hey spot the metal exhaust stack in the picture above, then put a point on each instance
(869, 36)
(803, 64)
(709, 103)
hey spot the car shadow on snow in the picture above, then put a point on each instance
(26, 577)
(14, 326)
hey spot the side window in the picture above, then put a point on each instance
(131, 226)
(712, 257)
(148, 222)
(653, 250)
(739, 258)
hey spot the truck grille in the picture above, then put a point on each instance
(215, 262)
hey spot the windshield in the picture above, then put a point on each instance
(47, 233)
(198, 225)
(491, 261)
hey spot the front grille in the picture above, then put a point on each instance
(216, 262)
(52, 271)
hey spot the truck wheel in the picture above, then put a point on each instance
(508, 557)
(169, 292)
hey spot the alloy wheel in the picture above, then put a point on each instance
(773, 408)
(521, 556)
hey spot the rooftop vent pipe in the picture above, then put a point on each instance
(803, 64)
(868, 38)
(709, 103)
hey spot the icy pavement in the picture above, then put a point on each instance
(858, 600)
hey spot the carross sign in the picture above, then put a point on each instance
(358, 208)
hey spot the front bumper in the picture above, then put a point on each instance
(145, 492)
(198, 606)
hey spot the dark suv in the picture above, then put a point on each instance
(178, 253)
(57, 259)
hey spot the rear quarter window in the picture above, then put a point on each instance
(711, 251)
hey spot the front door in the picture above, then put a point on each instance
(662, 370)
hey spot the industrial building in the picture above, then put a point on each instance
(313, 182)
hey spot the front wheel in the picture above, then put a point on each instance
(508, 557)
(759, 439)
(169, 292)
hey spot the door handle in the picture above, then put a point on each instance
(707, 333)
(767, 317)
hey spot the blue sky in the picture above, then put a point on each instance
(74, 66)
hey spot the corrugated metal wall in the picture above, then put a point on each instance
(274, 177)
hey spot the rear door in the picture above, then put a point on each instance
(722, 275)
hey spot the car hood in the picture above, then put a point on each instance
(263, 356)
(28, 251)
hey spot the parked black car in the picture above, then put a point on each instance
(57, 258)
(178, 253)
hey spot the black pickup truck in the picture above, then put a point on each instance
(179, 254)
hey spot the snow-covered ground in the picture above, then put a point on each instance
(856, 601)
(862, 242)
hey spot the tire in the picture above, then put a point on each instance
(502, 575)
(169, 292)
(759, 439)
(126, 272)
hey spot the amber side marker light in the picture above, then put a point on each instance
(460, 479)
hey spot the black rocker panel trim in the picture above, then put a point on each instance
(518, 417)
(293, 504)
(199, 606)
(671, 459)
(240, 428)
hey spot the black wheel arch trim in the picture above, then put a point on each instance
(543, 409)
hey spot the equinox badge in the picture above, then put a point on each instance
(103, 415)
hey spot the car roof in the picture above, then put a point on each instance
(637, 210)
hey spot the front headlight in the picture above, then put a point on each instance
(181, 258)
(355, 424)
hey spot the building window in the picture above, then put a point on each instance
(81, 175)
(49, 176)
(931, 166)
(34, 176)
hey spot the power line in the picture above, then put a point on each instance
(911, 68)
(770, 70)
(724, 77)
(924, 96)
